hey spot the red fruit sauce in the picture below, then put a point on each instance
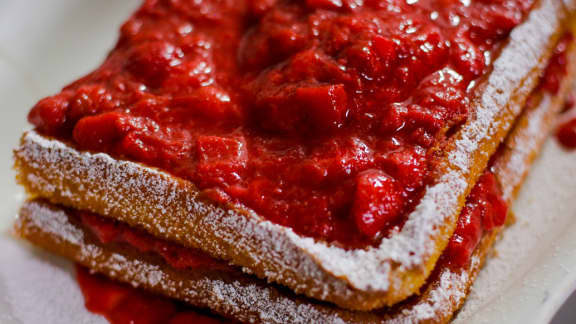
(177, 256)
(566, 134)
(485, 210)
(557, 69)
(292, 108)
(557, 66)
(122, 304)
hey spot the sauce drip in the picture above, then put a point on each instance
(122, 304)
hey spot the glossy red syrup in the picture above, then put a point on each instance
(566, 133)
(109, 231)
(122, 304)
(557, 66)
(485, 210)
(319, 115)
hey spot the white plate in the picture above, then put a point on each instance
(45, 44)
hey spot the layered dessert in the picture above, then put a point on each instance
(352, 159)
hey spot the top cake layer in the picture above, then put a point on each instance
(320, 115)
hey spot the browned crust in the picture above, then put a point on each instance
(273, 252)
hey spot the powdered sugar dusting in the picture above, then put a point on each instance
(315, 268)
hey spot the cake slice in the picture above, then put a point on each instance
(328, 147)
(131, 255)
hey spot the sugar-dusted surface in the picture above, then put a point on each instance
(319, 270)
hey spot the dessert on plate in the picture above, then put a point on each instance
(297, 161)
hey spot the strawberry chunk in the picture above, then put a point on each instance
(334, 160)
(210, 102)
(101, 295)
(408, 166)
(466, 236)
(309, 109)
(378, 202)
(362, 58)
(108, 129)
(140, 241)
(106, 231)
(373, 58)
(393, 119)
(49, 114)
(101, 131)
(182, 258)
(493, 207)
(385, 48)
(218, 148)
(485, 210)
(566, 134)
(220, 159)
(152, 61)
(140, 146)
(89, 100)
(420, 123)
(492, 23)
(326, 105)
(467, 58)
(142, 308)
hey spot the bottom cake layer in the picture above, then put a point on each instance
(227, 291)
